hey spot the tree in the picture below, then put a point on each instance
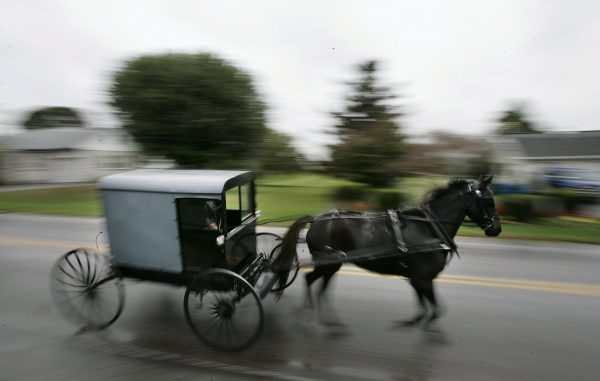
(196, 109)
(370, 142)
(278, 154)
(53, 117)
(514, 121)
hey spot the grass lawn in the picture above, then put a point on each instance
(292, 196)
(547, 230)
(68, 201)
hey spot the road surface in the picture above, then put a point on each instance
(515, 310)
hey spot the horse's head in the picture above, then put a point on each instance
(482, 209)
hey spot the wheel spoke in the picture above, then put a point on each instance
(69, 275)
(80, 265)
(70, 284)
(96, 265)
(69, 262)
(87, 260)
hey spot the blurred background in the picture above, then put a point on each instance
(362, 105)
(349, 106)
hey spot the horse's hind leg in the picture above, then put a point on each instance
(418, 287)
(327, 315)
(310, 278)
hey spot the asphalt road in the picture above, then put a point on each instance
(515, 310)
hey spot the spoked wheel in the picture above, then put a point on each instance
(223, 310)
(295, 267)
(86, 289)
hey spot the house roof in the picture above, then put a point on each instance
(574, 145)
(69, 138)
(175, 181)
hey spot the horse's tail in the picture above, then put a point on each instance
(288, 252)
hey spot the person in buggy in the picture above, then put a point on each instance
(212, 216)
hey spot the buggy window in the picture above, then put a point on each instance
(245, 201)
(197, 213)
(239, 205)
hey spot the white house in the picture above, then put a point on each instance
(65, 155)
(526, 158)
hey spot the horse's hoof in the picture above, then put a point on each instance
(407, 323)
(85, 329)
(303, 313)
(430, 327)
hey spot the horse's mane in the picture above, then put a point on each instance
(441, 191)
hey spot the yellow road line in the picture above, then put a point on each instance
(557, 287)
(47, 244)
(508, 283)
(521, 282)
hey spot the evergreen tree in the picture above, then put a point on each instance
(514, 121)
(370, 142)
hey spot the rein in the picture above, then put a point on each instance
(487, 223)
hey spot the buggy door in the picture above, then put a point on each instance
(200, 222)
(240, 225)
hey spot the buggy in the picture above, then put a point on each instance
(190, 228)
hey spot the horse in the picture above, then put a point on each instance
(332, 236)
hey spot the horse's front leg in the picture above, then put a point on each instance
(436, 310)
(422, 305)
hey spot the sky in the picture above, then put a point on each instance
(455, 64)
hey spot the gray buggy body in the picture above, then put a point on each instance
(192, 228)
(157, 220)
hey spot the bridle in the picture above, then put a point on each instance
(488, 218)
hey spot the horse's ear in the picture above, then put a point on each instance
(485, 180)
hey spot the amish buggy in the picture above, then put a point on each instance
(197, 229)
(191, 228)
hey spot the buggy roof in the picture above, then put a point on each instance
(176, 181)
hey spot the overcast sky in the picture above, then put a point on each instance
(456, 64)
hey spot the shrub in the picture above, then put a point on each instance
(572, 199)
(520, 208)
(351, 194)
(390, 200)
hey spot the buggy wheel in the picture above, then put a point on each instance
(223, 310)
(294, 269)
(86, 289)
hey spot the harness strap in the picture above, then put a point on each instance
(397, 230)
(440, 231)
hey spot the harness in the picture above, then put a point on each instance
(397, 220)
(398, 246)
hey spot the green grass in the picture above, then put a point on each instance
(292, 196)
(69, 201)
(554, 229)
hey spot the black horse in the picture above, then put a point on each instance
(333, 237)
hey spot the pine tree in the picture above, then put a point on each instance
(515, 121)
(370, 142)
